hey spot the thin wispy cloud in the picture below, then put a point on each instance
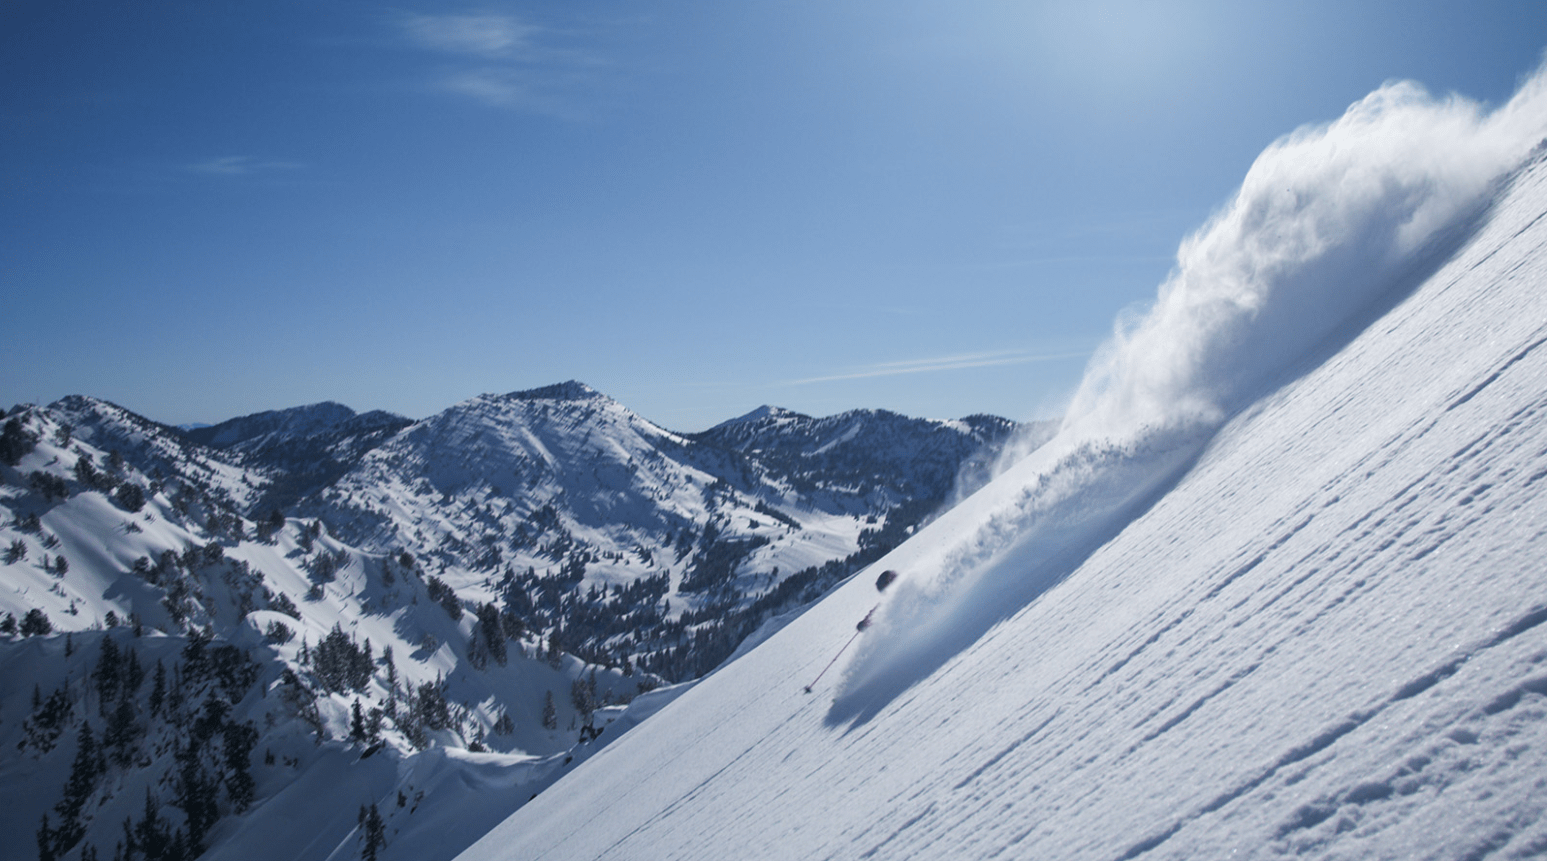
(239, 165)
(944, 363)
(543, 91)
(505, 61)
(482, 35)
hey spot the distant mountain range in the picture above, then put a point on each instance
(503, 496)
(505, 576)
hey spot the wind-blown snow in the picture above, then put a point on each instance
(1275, 589)
(1329, 220)
(1332, 224)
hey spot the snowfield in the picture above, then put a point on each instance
(1276, 589)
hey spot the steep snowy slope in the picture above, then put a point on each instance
(1275, 590)
(158, 450)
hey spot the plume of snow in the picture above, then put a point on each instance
(1327, 221)
(1331, 224)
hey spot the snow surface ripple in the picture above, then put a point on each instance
(1332, 225)
(1320, 635)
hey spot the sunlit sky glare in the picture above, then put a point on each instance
(209, 209)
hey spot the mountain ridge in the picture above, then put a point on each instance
(373, 638)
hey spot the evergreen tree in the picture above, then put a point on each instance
(583, 698)
(121, 731)
(86, 474)
(152, 834)
(240, 739)
(555, 648)
(36, 622)
(339, 664)
(45, 841)
(433, 711)
(106, 673)
(375, 834)
(131, 497)
(50, 486)
(158, 689)
(550, 712)
(133, 673)
(195, 795)
(82, 781)
(278, 632)
(493, 632)
(128, 846)
(15, 442)
(504, 725)
(174, 700)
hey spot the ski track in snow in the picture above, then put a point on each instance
(1328, 639)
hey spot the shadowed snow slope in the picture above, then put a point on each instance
(1305, 617)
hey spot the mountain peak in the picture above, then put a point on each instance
(762, 413)
(295, 421)
(571, 390)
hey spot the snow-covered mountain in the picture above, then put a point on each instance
(1274, 589)
(169, 664)
(187, 669)
(302, 449)
(638, 544)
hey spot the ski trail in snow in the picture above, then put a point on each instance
(1310, 815)
(1067, 509)
(1332, 226)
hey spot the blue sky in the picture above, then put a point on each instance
(210, 209)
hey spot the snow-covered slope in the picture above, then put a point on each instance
(1275, 590)
(157, 450)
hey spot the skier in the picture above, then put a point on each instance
(886, 579)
